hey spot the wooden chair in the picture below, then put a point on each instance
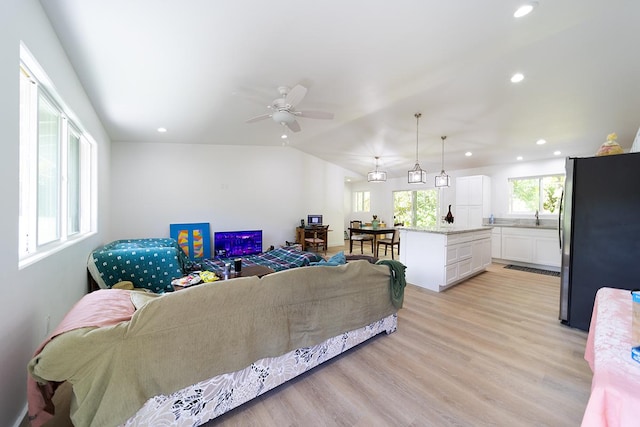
(359, 237)
(394, 241)
(316, 238)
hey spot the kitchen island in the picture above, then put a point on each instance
(443, 256)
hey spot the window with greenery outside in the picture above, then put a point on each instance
(416, 208)
(542, 194)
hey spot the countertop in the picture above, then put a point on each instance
(541, 226)
(446, 229)
(452, 229)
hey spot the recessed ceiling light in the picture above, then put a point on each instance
(162, 130)
(541, 141)
(556, 153)
(283, 136)
(517, 78)
(468, 154)
(519, 158)
(525, 9)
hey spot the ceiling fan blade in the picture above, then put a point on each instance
(294, 126)
(295, 95)
(258, 118)
(315, 114)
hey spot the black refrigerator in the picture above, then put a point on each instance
(599, 231)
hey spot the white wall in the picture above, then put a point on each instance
(51, 286)
(382, 199)
(231, 187)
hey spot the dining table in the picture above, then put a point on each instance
(375, 231)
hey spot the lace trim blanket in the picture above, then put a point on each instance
(201, 402)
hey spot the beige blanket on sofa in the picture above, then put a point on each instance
(194, 334)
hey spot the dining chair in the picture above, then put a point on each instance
(393, 241)
(358, 237)
(316, 238)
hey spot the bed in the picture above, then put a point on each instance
(277, 259)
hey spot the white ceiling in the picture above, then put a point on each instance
(200, 68)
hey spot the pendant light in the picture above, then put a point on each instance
(417, 175)
(377, 176)
(443, 180)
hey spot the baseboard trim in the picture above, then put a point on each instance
(22, 419)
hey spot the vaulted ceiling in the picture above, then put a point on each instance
(201, 68)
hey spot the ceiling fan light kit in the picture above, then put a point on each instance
(376, 175)
(417, 175)
(284, 109)
(443, 180)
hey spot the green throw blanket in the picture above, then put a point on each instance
(397, 281)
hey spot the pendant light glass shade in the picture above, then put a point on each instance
(417, 175)
(376, 175)
(443, 180)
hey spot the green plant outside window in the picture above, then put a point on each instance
(542, 194)
(416, 208)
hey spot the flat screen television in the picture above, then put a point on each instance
(229, 244)
(314, 220)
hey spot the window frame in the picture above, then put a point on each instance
(46, 229)
(362, 201)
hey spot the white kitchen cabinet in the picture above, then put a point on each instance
(486, 252)
(473, 200)
(546, 249)
(438, 259)
(517, 245)
(496, 242)
(530, 245)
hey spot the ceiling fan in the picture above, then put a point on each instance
(284, 109)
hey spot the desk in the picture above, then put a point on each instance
(370, 230)
(615, 388)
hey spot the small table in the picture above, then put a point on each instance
(252, 270)
(615, 388)
(370, 230)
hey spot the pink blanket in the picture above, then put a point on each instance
(104, 307)
(615, 388)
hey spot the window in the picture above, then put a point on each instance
(361, 201)
(542, 194)
(416, 208)
(56, 168)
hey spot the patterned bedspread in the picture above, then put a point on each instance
(277, 259)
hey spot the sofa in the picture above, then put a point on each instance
(185, 357)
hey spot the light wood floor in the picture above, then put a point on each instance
(488, 352)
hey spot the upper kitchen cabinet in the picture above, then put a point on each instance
(473, 200)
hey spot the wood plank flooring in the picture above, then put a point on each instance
(488, 352)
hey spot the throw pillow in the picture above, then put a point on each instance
(337, 259)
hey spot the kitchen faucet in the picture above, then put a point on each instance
(537, 219)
